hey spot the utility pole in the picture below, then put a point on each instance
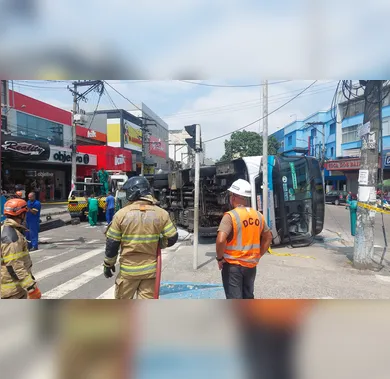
(74, 137)
(93, 85)
(322, 151)
(198, 149)
(195, 143)
(265, 151)
(368, 175)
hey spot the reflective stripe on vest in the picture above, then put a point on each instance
(244, 248)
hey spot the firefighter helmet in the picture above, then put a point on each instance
(15, 207)
(137, 187)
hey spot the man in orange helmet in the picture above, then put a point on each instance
(17, 281)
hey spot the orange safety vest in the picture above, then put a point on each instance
(244, 248)
(288, 313)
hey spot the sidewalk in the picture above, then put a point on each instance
(327, 274)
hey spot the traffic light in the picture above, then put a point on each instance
(192, 142)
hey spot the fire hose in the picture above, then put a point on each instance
(158, 274)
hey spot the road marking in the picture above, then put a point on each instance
(109, 294)
(383, 278)
(93, 241)
(35, 251)
(56, 256)
(43, 239)
(73, 284)
(64, 265)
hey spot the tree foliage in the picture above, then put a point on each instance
(248, 144)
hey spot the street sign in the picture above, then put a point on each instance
(364, 129)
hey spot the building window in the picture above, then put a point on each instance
(289, 142)
(332, 129)
(386, 126)
(350, 134)
(39, 129)
(331, 151)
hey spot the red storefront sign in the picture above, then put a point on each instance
(343, 165)
(347, 164)
(157, 147)
(91, 134)
(110, 158)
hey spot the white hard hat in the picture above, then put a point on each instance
(241, 188)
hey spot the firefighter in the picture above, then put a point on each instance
(137, 229)
(243, 238)
(17, 281)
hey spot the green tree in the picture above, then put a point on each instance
(248, 144)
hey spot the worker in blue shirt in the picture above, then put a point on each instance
(33, 221)
(110, 207)
(3, 201)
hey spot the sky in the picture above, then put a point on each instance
(154, 44)
(219, 110)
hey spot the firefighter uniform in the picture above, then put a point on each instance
(16, 276)
(138, 228)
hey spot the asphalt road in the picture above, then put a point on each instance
(337, 220)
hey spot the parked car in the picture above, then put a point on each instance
(336, 197)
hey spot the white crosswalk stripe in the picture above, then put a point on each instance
(67, 264)
(109, 294)
(73, 284)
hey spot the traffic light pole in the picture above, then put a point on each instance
(196, 200)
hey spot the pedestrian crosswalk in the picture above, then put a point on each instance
(76, 272)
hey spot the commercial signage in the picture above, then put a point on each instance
(91, 134)
(132, 136)
(157, 147)
(65, 156)
(24, 149)
(39, 174)
(343, 165)
(387, 160)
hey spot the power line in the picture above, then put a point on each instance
(256, 121)
(122, 95)
(244, 105)
(231, 86)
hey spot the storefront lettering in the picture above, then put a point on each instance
(23, 148)
(344, 165)
(119, 160)
(91, 134)
(63, 157)
(387, 160)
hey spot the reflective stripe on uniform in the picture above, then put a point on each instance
(114, 234)
(141, 238)
(14, 257)
(227, 256)
(139, 270)
(168, 228)
(27, 282)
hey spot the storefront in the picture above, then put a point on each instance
(350, 168)
(109, 158)
(38, 167)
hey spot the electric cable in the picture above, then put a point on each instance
(272, 112)
(232, 86)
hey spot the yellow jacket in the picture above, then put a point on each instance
(16, 277)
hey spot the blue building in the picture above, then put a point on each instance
(318, 134)
(347, 162)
